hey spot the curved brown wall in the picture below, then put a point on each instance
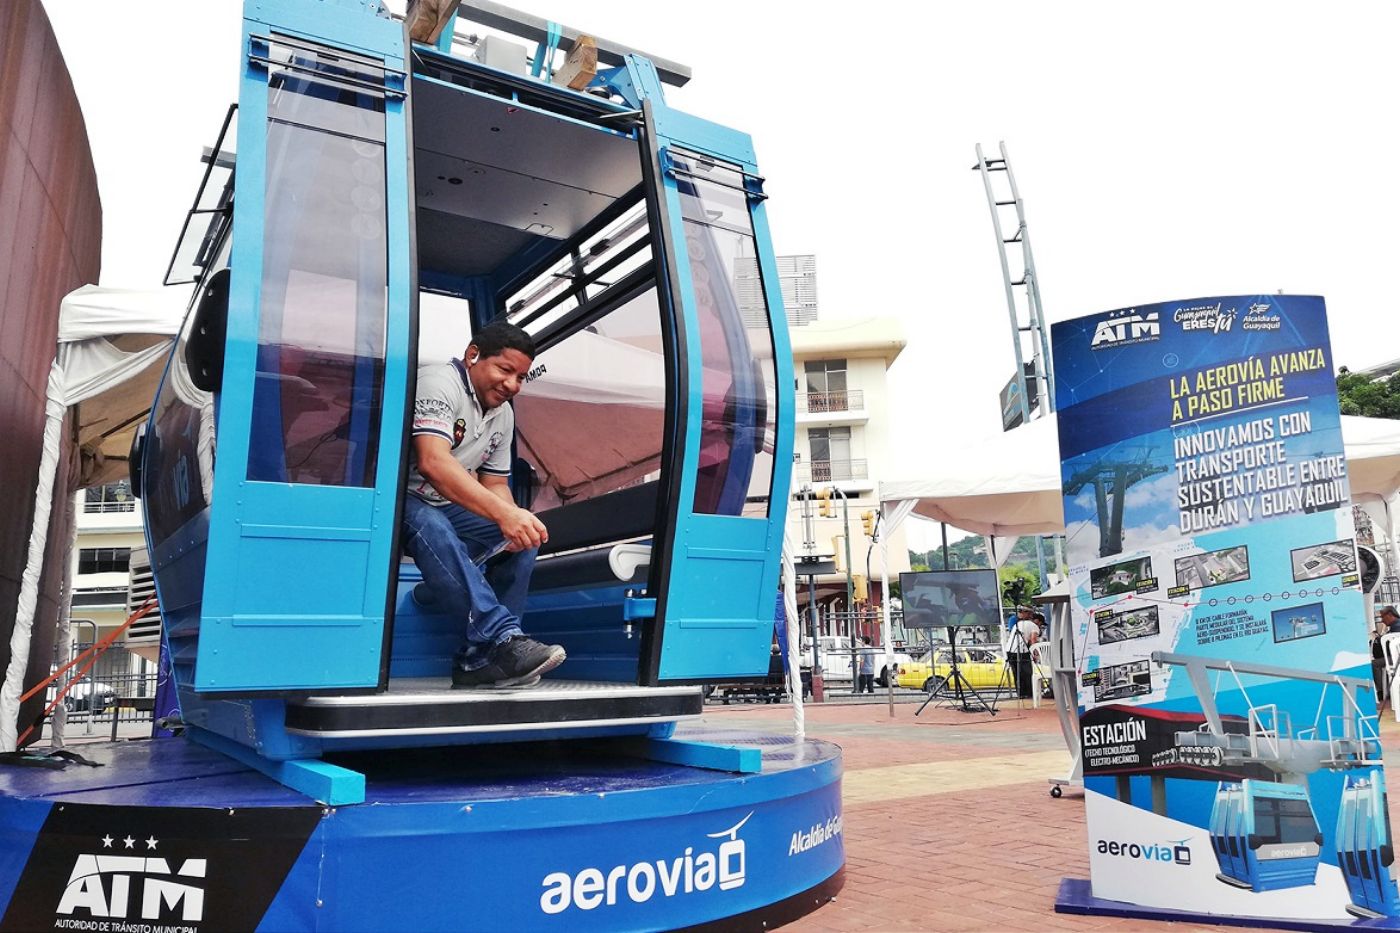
(50, 243)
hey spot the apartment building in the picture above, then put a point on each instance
(843, 441)
(109, 529)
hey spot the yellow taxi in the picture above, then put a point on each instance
(983, 668)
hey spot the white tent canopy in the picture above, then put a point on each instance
(108, 342)
(1010, 484)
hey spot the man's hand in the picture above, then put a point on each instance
(522, 529)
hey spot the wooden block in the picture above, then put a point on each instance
(427, 18)
(580, 66)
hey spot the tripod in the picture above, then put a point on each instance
(956, 688)
(1019, 667)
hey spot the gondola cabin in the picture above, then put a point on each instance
(359, 179)
(1264, 835)
(1365, 848)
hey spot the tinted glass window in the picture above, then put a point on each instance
(1283, 821)
(738, 415)
(591, 418)
(104, 560)
(317, 399)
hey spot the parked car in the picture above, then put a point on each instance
(984, 668)
(836, 658)
(91, 697)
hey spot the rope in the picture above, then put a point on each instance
(95, 651)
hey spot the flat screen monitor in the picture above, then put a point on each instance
(938, 598)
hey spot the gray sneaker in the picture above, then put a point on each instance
(516, 662)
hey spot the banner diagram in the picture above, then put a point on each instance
(1231, 748)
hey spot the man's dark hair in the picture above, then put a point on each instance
(498, 336)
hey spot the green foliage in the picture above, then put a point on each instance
(1361, 395)
(1019, 577)
(1018, 584)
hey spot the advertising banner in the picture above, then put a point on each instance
(1228, 716)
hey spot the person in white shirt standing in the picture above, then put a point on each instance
(1019, 637)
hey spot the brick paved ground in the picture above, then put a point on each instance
(948, 821)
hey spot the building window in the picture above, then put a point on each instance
(104, 560)
(831, 453)
(113, 497)
(826, 376)
(826, 386)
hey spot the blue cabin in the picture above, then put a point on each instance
(1264, 835)
(360, 180)
(1365, 849)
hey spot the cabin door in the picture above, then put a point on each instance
(728, 486)
(303, 526)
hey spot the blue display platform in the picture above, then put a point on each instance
(171, 836)
(1076, 897)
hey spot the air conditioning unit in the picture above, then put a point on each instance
(143, 638)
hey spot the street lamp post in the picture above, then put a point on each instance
(850, 582)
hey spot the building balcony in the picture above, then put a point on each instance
(833, 471)
(101, 508)
(847, 407)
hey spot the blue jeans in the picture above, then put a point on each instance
(443, 540)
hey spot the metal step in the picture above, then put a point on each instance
(429, 706)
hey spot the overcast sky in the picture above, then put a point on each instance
(1163, 153)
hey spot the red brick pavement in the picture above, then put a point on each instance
(981, 859)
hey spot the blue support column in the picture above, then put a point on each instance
(326, 783)
(741, 759)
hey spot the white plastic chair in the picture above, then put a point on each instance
(1042, 669)
(1390, 650)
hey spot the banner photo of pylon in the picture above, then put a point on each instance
(1231, 746)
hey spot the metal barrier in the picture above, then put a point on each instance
(119, 690)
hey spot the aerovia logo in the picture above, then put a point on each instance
(1172, 852)
(1125, 329)
(677, 875)
(124, 887)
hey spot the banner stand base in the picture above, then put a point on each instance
(1076, 897)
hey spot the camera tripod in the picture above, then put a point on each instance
(955, 687)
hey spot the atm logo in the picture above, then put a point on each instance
(1177, 852)
(685, 873)
(1128, 328)
(121, 887)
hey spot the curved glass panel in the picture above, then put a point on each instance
(321, 344)
(739, 415)
(178, 465)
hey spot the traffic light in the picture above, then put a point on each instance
(837, 549)
(867, 521)
(859, 586)
(827, 508)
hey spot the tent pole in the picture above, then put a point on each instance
(885, 613)
(794, 638)
(64, 651)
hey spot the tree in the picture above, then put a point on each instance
(1358, 394)
(1018, 584)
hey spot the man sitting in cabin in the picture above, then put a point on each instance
(459, 509)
